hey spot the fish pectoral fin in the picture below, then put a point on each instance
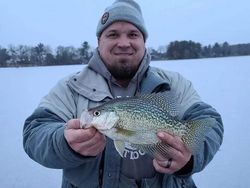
(120, 147)
(125, 132)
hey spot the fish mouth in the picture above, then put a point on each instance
(85, 119)
(105, 122)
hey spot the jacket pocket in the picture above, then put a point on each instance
(154, 182)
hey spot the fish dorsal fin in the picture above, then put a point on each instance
(165, 100)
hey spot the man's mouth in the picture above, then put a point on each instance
(124, 53)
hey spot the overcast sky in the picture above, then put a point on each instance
(71, 22)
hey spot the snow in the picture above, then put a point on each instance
(222, 82)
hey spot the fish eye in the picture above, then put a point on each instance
(96, 113)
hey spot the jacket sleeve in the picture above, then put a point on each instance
(212, 142)
(194, 108)
(214, 137)
(44, 142)
(43, 132)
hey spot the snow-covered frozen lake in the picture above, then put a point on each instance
(221, 82)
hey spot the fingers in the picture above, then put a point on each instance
(79, 135)
(166, 163)
(73, 124)
(166, 167)
(87, 142)
(91, 147)
(172, 141)
(177, 155)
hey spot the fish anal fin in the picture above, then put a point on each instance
(156, 150)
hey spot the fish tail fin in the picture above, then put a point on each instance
(196, 132)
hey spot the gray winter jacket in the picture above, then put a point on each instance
(44, 142)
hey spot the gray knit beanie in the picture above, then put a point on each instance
(122, 10)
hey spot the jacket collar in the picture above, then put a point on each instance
(90, 84)
(94, 86)
(154, 81)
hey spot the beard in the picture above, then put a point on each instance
(122, 70)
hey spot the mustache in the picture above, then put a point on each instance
(124, 51)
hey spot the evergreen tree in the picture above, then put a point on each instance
(85, 52)
(4, 57)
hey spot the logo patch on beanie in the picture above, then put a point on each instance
(105, 17)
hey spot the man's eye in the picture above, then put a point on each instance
(111, 35)
(133, 35)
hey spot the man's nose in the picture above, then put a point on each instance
(123, 41)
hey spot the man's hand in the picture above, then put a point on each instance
(87, 142)
(179, 155)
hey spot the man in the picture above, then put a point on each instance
(119, 67)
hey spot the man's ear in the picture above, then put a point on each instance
(98, 41)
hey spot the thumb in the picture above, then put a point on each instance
(73, 124)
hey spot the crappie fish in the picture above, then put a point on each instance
(136, 121)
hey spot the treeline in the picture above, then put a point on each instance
(42, 55)
(192, 50)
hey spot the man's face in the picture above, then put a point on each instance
(122, 47)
